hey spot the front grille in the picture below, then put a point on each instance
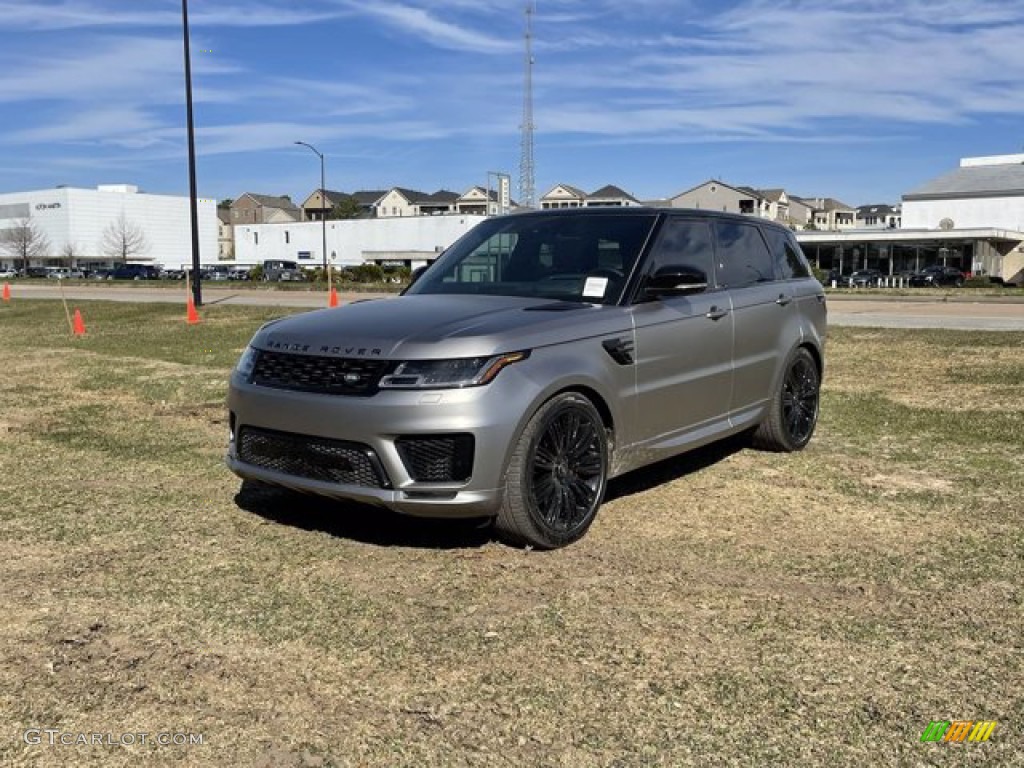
(315, 458)
(437, 458)
(314, 373)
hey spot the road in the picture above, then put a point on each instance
(955, 312)
(964, 313)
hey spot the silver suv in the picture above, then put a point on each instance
(539, 356)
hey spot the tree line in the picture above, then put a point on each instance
(25, 241)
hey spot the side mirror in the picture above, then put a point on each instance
(676, 280)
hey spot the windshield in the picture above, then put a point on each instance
(567, 256)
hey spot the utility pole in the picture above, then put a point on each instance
(526, 168)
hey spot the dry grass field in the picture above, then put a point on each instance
(731, 607)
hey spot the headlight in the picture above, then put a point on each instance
(448, 374)
(246, 363)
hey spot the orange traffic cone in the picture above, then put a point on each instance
(78, 328)
(191, 316)
(332, 301)
(7, 292)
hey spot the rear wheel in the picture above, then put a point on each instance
(793, 412)
(557, 476)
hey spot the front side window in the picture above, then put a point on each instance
(684, 243)
(558, 256)
(743, 257)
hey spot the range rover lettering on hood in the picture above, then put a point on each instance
(346, 351)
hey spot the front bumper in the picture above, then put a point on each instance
(491, 414)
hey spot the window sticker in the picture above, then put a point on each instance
(595, 287)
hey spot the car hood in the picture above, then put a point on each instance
(432, 326)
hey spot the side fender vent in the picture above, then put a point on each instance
(620, 350)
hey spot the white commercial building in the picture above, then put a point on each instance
(983, 192)
(80, 220)
(411, 240)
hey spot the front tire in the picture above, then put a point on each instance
(557, 475)
(793, 412)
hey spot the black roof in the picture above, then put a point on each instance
(640, 210)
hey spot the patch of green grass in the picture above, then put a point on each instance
(992, 373)
(122, 438)
(932, 339)
(868, 417)
(152, 331)
(151, 383)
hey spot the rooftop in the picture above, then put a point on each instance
(976, 180)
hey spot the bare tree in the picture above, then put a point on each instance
(69, 253)
(123, 239)
(24, 241)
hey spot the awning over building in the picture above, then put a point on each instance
(986, 251)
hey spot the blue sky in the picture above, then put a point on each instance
(862, 100)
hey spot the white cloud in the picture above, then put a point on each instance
(107, 68)
(425, 26)
(113, 125)
(410, 74)
(72, 14)
(774, 68)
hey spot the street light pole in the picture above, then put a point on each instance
(323, 202)
(197, 292)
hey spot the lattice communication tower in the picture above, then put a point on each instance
(526, 169)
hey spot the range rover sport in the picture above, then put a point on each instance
(541, 355)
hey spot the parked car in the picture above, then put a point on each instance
(100, 274)
(136, 272)
(865, 278)
(172, 274)
(36, 272)
(65, 273)
(935, 276)
(541, 355)
(238, 273)
(276, 270)
(7, 273)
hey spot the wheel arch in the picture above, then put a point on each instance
(819, 359)
(595, 398)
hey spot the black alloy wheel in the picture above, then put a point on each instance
(800, 399)
(557, 475)
(793, 411)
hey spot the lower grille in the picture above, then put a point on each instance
(315, 458)
(437, 458)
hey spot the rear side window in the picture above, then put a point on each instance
(743, 257)
(786, 254)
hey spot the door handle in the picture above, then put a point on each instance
(716, 314)
(783, 300)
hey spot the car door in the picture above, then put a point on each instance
(761, 308)
(683, 348)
